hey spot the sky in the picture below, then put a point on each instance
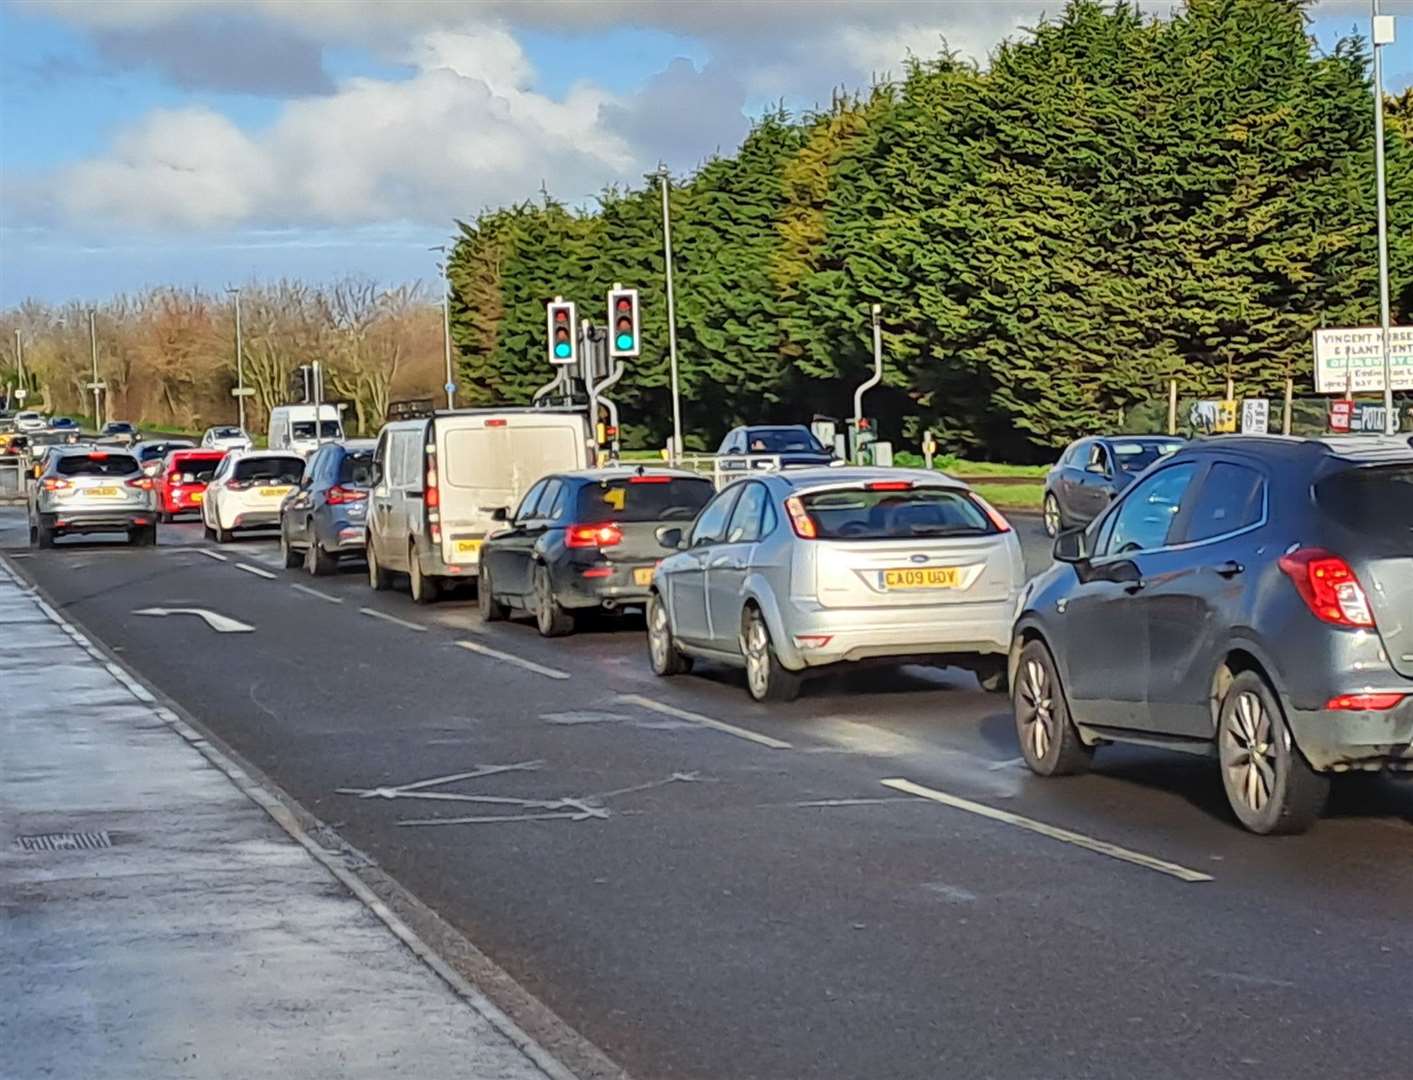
(209, 142)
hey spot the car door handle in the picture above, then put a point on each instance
(1134, 587)
(1230, 569)
(725, 564)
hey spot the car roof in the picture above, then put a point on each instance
(255, 455)
(845, 475)
(627, 472)
(85, 449)
(1138, 438)
(1360, 449)
(775, 427)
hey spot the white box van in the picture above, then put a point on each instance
(292, 427)
(442, 482)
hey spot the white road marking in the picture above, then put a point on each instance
(376, 614)
(518, 661)
(222, 624)
(705, 721)
(255, 570)
(316, 592)
(1101, 847)
(211, 554)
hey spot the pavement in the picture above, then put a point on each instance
(863, 882)
(160, 923)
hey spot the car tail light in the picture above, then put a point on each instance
(993, 515)
(338, 495)
(143, 482)
(650, 480)
(598, 571)
(53, 484)
(432, 496)
(237, 485)
(592, 536)
(812, 641)
(495, 423)
(889, 485)
(98, 455)
(1328, 586)
(800, 519)
(1364, 702)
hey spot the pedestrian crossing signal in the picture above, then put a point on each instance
(562, 332)
(623, 322)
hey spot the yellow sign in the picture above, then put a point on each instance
(1226, 418)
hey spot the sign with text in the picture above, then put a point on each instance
(1255, 416)
(1353, 360)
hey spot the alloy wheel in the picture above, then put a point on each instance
(658, 645)
(757, 650)
(1038, 715)
(1052, 516)
(1249, 752)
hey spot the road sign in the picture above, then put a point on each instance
(243, 391)
(222, 624)
(97, 386)
(1352, 359)
(21, 394)
(450, 388)
(1255, 416)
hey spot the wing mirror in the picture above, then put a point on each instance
(500, 514)
(669, 536)
(375, 474)
(1070, 546)
(735, 450)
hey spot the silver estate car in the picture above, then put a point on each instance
(787, 572)
(92, 489)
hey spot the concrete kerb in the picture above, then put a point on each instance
(299, 824)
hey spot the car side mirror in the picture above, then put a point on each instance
(375, 474)
(500, 514)
(669, 536)
(1070, 546)
(735, 450)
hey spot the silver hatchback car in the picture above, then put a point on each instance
(92, 489)
(787, 572)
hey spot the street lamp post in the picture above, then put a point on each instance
(97, 386)
(446, 324)
(662, 176)
(22, 391)
(240, 361)
(1383, 34)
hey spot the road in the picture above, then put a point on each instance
(709, 888)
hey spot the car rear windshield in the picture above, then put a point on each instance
(645, 498)
(854, 514)
(356, 469)
(782, 442)
(1376, 501)
(304, 429)
(1136, 456)
(226, 433)
(196, 469)
(95, 465)
(281, 470)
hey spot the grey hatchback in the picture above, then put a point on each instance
(92, 490)
(1249, 598)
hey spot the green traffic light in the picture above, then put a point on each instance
(625, 341)
(562, 349)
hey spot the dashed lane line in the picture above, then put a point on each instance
(255, 570)
(1101, 847)
(315, 592)
(704, 721)
(374, 613)
(211, 554)
(509, 658)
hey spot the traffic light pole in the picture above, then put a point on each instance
(676, 455)
(876, 311)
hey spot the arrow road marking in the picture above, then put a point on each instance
(222, 624)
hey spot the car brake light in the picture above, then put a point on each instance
(51, 484)
(495, 423)
(98, 455)
(237, 485)
(338, 495)
(1364, 702)
(650, 480)
(598, 572)
(1328, 586)
(889, 485)
(800, 519)
(995, 516)
(592, 536)
(143, 482)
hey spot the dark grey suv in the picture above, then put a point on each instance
(1250, 598)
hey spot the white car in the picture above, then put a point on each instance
(31, 421)
(226, 438)
(247, 490)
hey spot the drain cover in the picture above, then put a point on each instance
(65, 841)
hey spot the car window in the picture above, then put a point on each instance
(644, 498)
(711, 525)
(410, 454)
(194, 469)
(893, 513)
(272, 470)
(1375, 501)
(784, 441)
(748, 519)
(1145, 517)
(527, 504)
(96, 464)
(1099, 456)
(1134, 457)
(554, 488)
(355, 468)
(1232, 497)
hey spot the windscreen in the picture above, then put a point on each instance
(304, 429)
(280, 470)
(1134, 457)
(96, 465)
(195, 469)
(645, 499)
(853, 514)
(1375, 502)
(782, 441)
(356, 469)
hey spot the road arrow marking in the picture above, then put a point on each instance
(222, 624)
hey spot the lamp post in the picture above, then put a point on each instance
(662, 176)
(450, 386)
(1383, 34)
(240, 361)
(95, 386)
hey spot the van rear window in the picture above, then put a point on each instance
(852, 514)
(96, 465)
(649, 498)
(1375, 501)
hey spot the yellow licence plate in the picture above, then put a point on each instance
(197, 496)
(643, 575)
(468, 547)
(935, 577)
(275, 492)
(104, 492)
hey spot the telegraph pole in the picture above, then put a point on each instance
(1383, 35)
(450, 386)
(662, 177)
(240, 360)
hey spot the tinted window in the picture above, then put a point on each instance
(854, 514)
(711, 526)
(1232, 498)
(550, 501)
(748, 521)
(304, 429)
(1134, 457)
(226, 432)
(1375, 501)
(783, 441)
(356, 468)
(527, 504)
(1099, 458)
(1146, 516)
(646, 498)
(195, 469)
(1077, 454)
(276, 470)
(96, 465)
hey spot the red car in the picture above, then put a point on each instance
(185, 475)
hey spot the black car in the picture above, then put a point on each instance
(325, 518)
(771, 445)
(585, 540)
(1249, 599)
(120, 431)
(1092, 472)
(151, 455)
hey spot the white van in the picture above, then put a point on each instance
(442, 482)
(292, 427)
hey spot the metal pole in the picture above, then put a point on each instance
(1172, 406)
(240, 362)
(876, 311)
(1390, 418)
(93, 346)
(671, 319)
(19, 362)
(318, 405)
(446, 324)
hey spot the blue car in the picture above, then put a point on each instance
(324, 519)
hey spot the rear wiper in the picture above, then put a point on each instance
(948, 530)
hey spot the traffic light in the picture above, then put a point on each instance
(562, 332)
(623, 339)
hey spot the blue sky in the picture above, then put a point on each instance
(209, 141)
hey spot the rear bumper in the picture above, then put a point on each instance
(1356, 741)
(871, 633)
(602, 583)
(256, 519)
(96, 521)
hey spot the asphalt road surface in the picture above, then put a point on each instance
(864, 883)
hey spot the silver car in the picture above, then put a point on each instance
(788, 572)
(90, 489)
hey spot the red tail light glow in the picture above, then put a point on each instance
(143, 482)
(650, 480)
(800, 519)
(52, 484)
(593, 536)
(495, 423)
(889, 485)
(338, 495)
(1364, 702)
(237, 485)
(1328, 586)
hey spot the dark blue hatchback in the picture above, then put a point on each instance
(325, 518)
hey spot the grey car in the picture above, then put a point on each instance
(1092, 472)
(1249, 598)
(787, 573)
(92, 490)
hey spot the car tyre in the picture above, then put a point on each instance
(1050, 515)
(425, 589)
(666, 658)
(492, 610)
(223, 536)
(991, 674)
(766, 678)
(43, 537)
(144, 536)
(551, 619)
(1271, 788)
(379, 580)
(317, 561)
(1049, 741)
(166, 518)
(288, 555)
